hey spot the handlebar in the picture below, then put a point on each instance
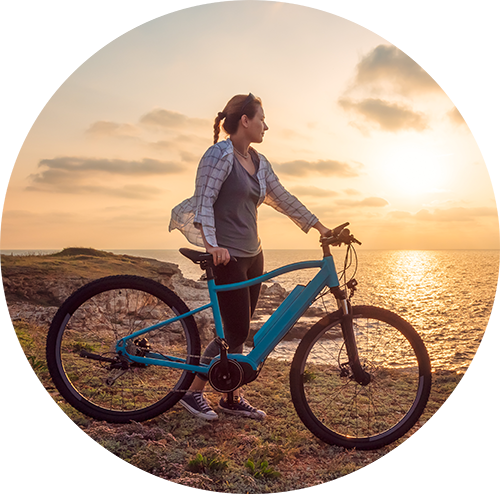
(338, 236)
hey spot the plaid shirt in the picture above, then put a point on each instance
(215, 165)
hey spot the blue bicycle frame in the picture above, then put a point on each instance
(271, 332)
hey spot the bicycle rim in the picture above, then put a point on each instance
(339, 410)
(87, 328)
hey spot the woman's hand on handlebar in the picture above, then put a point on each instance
(219, 255)
(322, 229)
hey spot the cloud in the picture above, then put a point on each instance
(386, 87)
(388, 67)
(393, 117)
(68, 168)
(128, 191)
(96, 227)
(369, 202)
(76, 175)
(367, 208)
(311, 191)
(446, 215)
(104, 128)
(18, 215)
(291, 134)
(168, 123)
(326, 168)
(159, 117)
(123, 216)
(189, 147)
(400, 215)
(352, 192)
(456, 117)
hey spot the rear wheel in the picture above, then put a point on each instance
(81, 349)
(339, 410)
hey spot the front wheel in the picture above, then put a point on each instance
(82, 356)
(339, 410)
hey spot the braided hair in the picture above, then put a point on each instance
(218, 119)
(235, 108)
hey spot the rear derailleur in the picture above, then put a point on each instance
(119, 364)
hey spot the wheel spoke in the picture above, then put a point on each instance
(341, 411)
(102, 313)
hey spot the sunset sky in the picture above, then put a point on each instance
(358, 131)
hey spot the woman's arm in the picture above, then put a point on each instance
(284, 202)
(280, 199)
(209, 177)
(323, 230)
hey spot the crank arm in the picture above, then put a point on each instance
(93, 356)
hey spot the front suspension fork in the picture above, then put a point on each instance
(360, 375)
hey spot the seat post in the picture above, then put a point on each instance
(207, 266)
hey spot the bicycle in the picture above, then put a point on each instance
(360, 377)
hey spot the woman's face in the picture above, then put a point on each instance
(257, 126)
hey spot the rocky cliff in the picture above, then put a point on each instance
(35, 286)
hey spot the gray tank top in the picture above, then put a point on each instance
(235, 211)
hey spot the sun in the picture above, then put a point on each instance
(415, 172)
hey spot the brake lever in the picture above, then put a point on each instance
(343, 236)
(347, 238)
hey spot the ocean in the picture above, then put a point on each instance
(447, 295)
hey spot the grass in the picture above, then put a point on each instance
(206, 463)
(229, 455)
(32, 339)
(262, 469)
(232, 454)
(79, 263)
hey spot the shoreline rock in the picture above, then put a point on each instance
(35, 286)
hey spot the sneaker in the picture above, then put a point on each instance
(240, 406)
(195, 403)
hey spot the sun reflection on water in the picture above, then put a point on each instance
(446, 295)
(412, 272)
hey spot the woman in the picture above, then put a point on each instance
(231, 183)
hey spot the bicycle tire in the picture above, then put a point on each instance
(338, 410)
(91, 320)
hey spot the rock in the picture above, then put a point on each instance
(34, 294)
(206, 327)
(275, 291)
(38, 290)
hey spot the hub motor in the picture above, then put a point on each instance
(225, 376)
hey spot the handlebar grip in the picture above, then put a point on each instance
(339, 228)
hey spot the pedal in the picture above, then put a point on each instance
(222, 343)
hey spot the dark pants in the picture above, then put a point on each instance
(236, 306)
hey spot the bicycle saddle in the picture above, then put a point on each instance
(195, 255)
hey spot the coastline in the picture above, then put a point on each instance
(176, 446)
